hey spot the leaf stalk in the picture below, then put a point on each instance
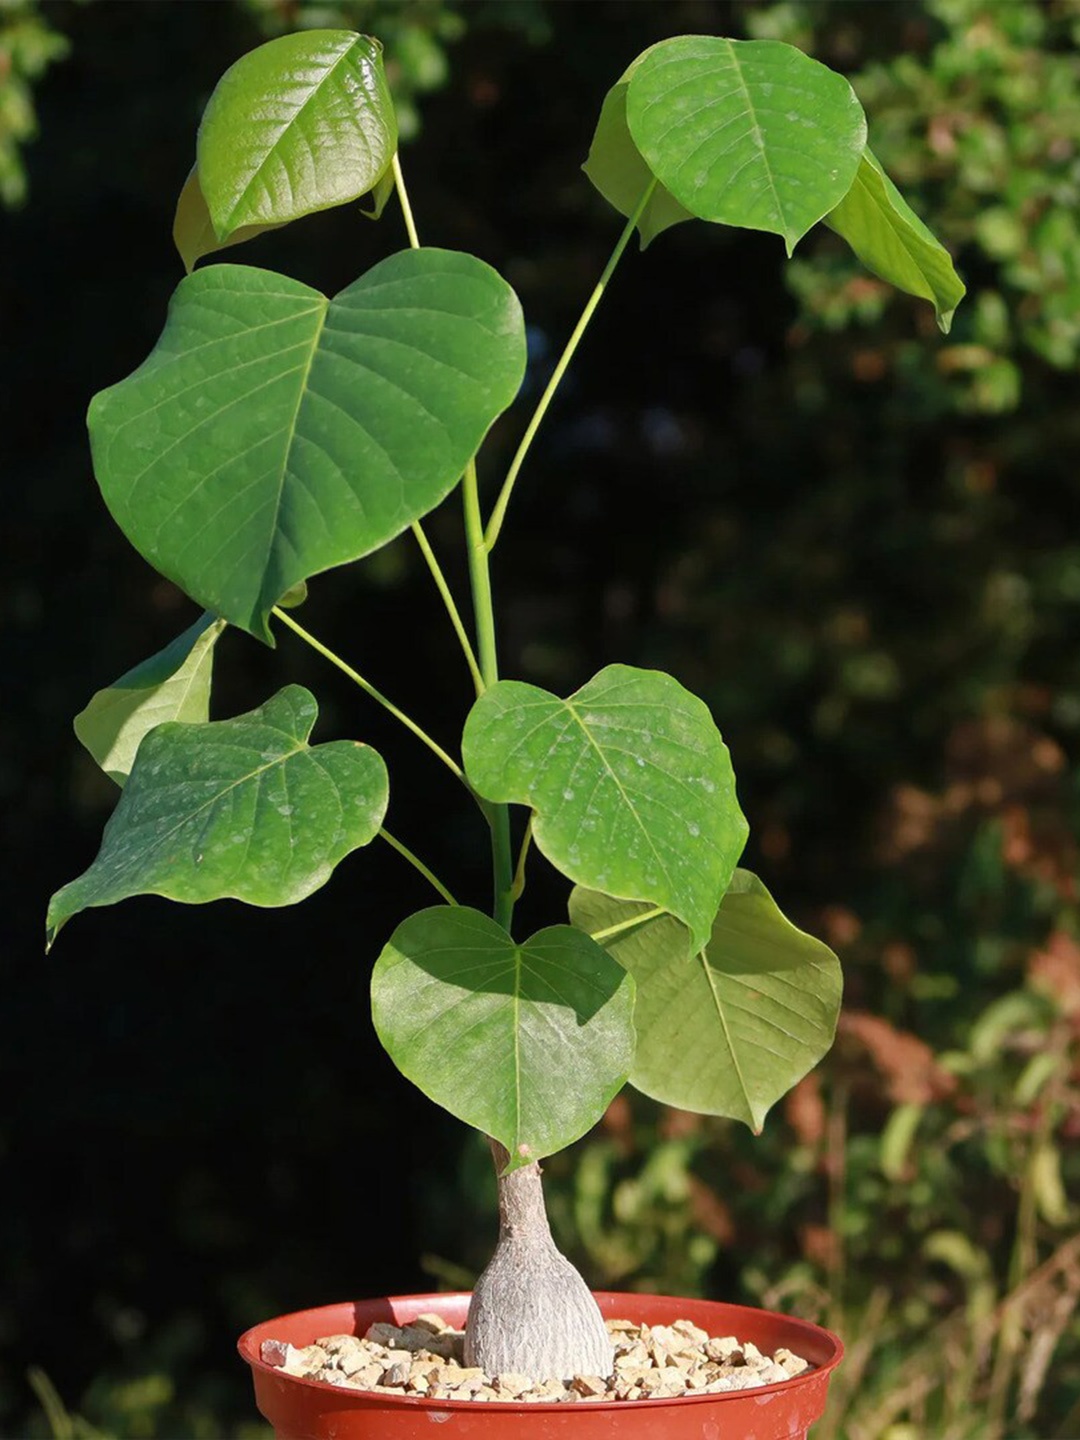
(498, 514)
(369, 689)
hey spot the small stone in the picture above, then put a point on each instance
(435, 1324)
(617, 1327)
(334, 1344)
(486, 1393)
(723, 1348)
(274, 1352)
(751, 1354)
(330, 1375)
(305, 1361)
(649, 1381)
(383, 1333)
(692, 1332)
(511, 1383)
(589, 1385)
(396, 1374)
(792, 1364)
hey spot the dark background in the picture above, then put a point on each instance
(853, 537)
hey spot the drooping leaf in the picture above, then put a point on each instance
(731, 1030)
(890, 239)
(273, 433)
(193, 231)
(527, 1042)
(242, 808)
(174, 684)
(751, 133)
(630, 782)
(617, 170)
(300, 124)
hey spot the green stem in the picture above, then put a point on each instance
(368, 689)
(451, 607)
(406, 208)
(418, 864)
(612, 930)
(518, 888)
(417, 530)
(499, 512)
(484, 613)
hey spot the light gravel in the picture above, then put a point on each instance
(423, 1359)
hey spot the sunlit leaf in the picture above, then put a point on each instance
(527, 1042)
(300, 124)
(273, 433)
(890, 239)
(731, 1030)
(174, 684)
(242, 808)
(630, 782)
(751, 133)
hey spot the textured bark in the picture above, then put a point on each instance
(532, 1313)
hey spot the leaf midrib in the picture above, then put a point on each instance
(292, 120)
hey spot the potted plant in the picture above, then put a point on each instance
(274, 433)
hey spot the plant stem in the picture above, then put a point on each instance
(369, 689)
(612, 930)
(484, 614)
(499, 512)
(519, 872)
(403, 198)
(417, 530)
(418, 864)
(451, 608)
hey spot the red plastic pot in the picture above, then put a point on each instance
(311, 1410)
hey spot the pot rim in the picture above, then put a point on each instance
(249, 1347)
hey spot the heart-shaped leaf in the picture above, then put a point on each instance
(890, 239)
(300, 124)
(242, 808)
(751, 133)
(193, 230)
(617, 170)
(273, 433)
(630, 782)
(733, 1029)
(528, 1043)
(174, 684)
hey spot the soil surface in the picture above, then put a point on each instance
(424, 1359)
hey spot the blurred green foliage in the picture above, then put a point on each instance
(28, 46)
(875, 581)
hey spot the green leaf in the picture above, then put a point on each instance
(528, 1043)
(890, 239)
(751, 133)
(300, 124)
(617, 170)
(273, 433)
(193, 232)
(630, 782)
(242, 808)
(174, 684)
(733, 1029)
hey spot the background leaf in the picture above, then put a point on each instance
(615, 167)
(242, 808)
(750, 133)
(733, 1029)
(172, 685)
(300, 124)
(630, 782)
(890, 239)
(273, 433)
(528, 1043)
